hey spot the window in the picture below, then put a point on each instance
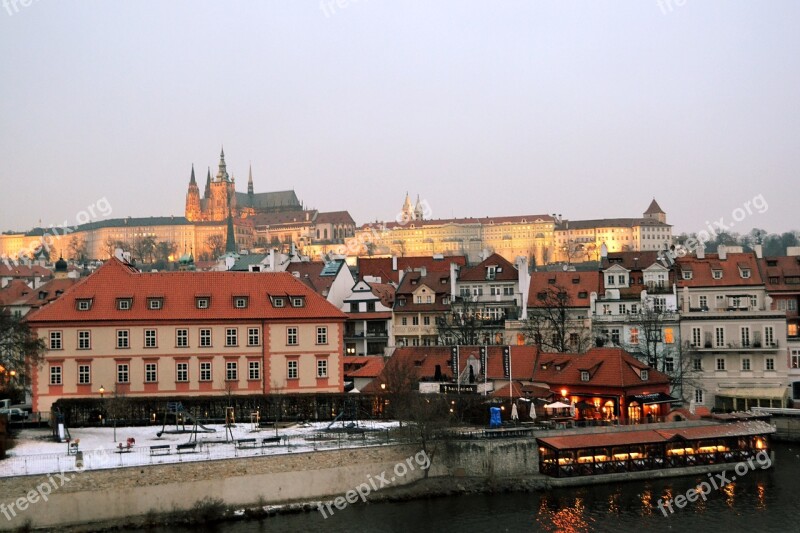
(202, 303)
(720, 363)
(419, 299)
(508, 290)
(291, 336)
(149, 338)
(795, 358)
(687, 274)
(154, 303)
(123, 339)
(716, 274)
(298, 301)
(754, 301)
(254, 370)
(745, 364)
(584, 375)
(123, 304)
(322, 335)
(415, 321)
(404, 321)
(84, 305)
(615, 336)
(769, 363)
(150, 372)
(644, 374)
(205, 371)
(240, 302)
(703, 302)
(231, 337)
(322, 368)
(426, 321)
(745, 273)
(698, 395)
(606, 309)
(205, 338)
(634, 309)
(84, 374)
(719, 337)
(182, 372)
(745, 336)
(669, 336)
(623, 309)
(253, 337)
(278, 302)
(428, 299)
(55, 340)
(669, 364)
(291, 369)
(55, 375)
(84, 340)
(659, 304)
(621, 279)
(231, 371)
(697, 364)
(182, 338)
(370, 307)
(123, 374)
(634, 335)
(696, 337)
(769, 336)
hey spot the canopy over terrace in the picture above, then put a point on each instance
(742, 399)
(606, 453)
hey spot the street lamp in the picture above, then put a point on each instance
(102, 391)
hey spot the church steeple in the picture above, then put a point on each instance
(230, 240)
(222, 173)
(250, 182)
(193, 199)
(207, 193)
(192, 180)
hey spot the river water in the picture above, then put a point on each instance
(760, 500)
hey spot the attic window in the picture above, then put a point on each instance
(443, 281)
(583, 294)
(544, 366)
(240, 302)
(278, 302)
(645, 375)
(155, 303)
(584, 375)
(745, 273)
(551, 281)
(558, 367)
(772, 262)
(716, 274)
(298, 301)
(84, 305)
(491, 272)
(687, 274)
(123, 304)
(202, 303)
(417, 363)
(446, 300)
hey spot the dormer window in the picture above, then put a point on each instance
(687, 274)
(202, 303)
(716, 274)
(84, 305)
(491, 272)
(583, 294)
(645, 375)
(155, 303)
(123, 304)
(584, 375)
(240, 302)
(745, 273)
(278, 302)
(298, 301)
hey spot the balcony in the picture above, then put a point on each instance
(755, 346)
(633, 318)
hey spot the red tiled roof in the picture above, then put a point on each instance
(574, 283)
(512, 219)
(438, 282)
(15, 290)
(283, 218)
(506, 270)
(362, 366)
(385, 292)
(574, 442)
(730, 267)
(23, 271)
(522, 360)
(654, 208)
(309, 272)
(608, 367)
(179, 289)
(381, 267)
(781, 268)
(631, 260)
(335, 217)
(50, 291)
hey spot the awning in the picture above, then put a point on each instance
(756, 393)
(656, 397)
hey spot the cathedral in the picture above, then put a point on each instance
(221, 199)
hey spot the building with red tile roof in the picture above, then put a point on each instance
(28, 299)
(362, 370)
(368, 330)
(173, 334)
(390, 269)
(420, 300)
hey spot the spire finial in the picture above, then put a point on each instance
(192, 180)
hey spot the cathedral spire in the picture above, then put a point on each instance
(230, 240)
(207, 193)
(222, 174)
(192, 180)
(250, 181)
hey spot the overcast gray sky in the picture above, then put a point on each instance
(588, 109)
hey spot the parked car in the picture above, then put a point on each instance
(14, 413)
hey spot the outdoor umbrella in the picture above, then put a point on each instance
(514, 412)
(533, 411)
(557, 405)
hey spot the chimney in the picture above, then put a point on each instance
(394, 263)
(759, 251)
(722, 251)
(272, 266)
(453, 279)
(423, 271)
(524, 281)
(700, 252)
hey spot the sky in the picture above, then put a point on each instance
(585, 109)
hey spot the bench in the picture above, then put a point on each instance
(246, 443)
(159, 449)
(270, 440)
(187, 447)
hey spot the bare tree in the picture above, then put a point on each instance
(215, 244)
(117, 407)
(21, 351)
(77, 248)
(143, 248)
(554, 325)
(110, 245)
(463, 324)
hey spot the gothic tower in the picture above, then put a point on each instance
(193, 200)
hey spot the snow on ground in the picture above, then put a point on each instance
(36, 452)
